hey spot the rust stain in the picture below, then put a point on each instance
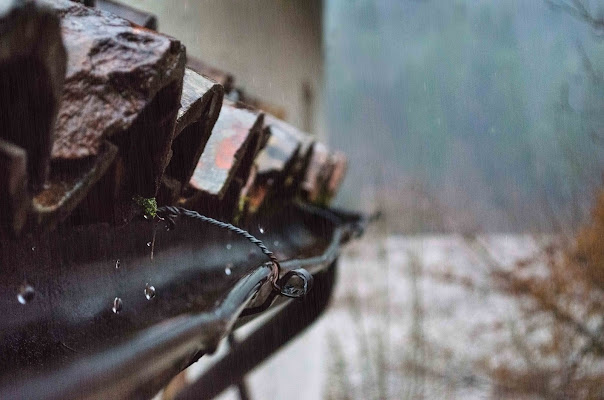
(225, 154)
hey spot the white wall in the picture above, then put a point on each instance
(271, 46)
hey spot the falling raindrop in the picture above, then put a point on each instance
(117, 264)
(33, 248)
(229, 246)
(227, 269)
(148, 244)
(26, 294)
(149, 291)
(117, 305)
(260, 229)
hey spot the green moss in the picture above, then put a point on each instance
(241, 207)
(149, 206)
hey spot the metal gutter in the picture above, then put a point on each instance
(145, 361)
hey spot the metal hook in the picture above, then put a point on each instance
(296, 288)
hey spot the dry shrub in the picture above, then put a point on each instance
(590, 246)
(558, 344)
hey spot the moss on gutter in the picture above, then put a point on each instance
(148, 205)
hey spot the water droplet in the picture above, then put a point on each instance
(149, 291)
(276, 243)
(146, 216)
(117, 264)
(229, 246)
(148, 244)
(227, 269)
(33, 248)
(117, 305)
(26, 294)
(260, 229)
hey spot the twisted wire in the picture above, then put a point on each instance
(172, 211)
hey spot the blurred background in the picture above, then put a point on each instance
(476, 127)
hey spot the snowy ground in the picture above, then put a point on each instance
(413, 317)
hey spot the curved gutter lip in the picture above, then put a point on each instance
(162, 345)
(156, 350)
(321, 262)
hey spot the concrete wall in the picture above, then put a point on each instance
(273, 47)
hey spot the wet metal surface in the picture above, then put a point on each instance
(68, 341)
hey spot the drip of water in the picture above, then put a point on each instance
(26, 294)
(149, 291)
(152, 242)
(117, 305)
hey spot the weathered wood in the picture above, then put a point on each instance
(142, 18)
(338, 172)
(258, 143)
(169, 190)
(254, 194)
(234, 203)
(264, 137)
(236, 129)
(280, 167)
(305, 139)
(302, 160)
(200, 106)
(316, 174)
(123, 83)
(68, 184)
(224, 78)
(271, 170)
(14, 197)
(278, 156)
(324, 175)
(32, 69)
